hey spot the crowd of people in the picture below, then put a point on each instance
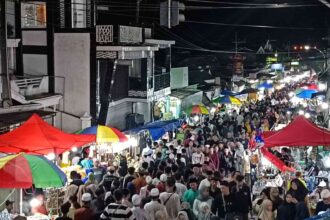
(204, 172)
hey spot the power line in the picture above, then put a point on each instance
(253, 26)
(251, 4)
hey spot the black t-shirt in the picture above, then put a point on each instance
(107, 180)
(321, 206)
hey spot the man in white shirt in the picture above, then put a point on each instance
(197, 157)
(170, 199)
(205, 183)
(154, 206)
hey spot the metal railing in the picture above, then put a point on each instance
(162, 81)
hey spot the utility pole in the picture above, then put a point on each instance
(5, 79)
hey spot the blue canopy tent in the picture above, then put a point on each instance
(158, 128)
(227, 93)
(265, 85)
(306, 93)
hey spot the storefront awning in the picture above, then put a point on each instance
(183, 93)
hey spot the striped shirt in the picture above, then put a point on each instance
(116, 211)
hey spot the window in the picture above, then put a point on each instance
(33, 15)
(79, 8)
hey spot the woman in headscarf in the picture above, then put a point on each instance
(204, 196)
(287, 210)
(182, 215)
(266, 210)
(298, 190)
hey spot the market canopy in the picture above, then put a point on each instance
(306, 93)
(159, 128)
(300, 132)
(38, 137)
(227, 100)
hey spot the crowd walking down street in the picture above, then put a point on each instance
(205, 171)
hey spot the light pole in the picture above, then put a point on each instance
(308, 48)
(325, 71)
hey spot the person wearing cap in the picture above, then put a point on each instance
(316, 194)
(162, 184)
(117, 210)
(170, 199)
(138, 212)
(154, 206)
(6, 213)
(323, 205)
(85, 212)
(144, 191)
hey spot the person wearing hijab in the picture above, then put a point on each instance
(204, 212)
(204, 196)
(286, 211)
(182, 215)
(298, 190)
(266, 210)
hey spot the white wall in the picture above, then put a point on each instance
(72, 61)
(35, 38)
(117, 115)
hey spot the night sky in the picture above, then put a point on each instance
(221, 37)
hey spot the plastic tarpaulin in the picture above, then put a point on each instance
(300, 132)
(36, 136)
(159, 128)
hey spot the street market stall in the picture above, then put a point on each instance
(24, 171)
(36, 136)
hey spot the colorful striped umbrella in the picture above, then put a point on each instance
(23, 170)
(197, 109)
(105, 134)
(227, 100)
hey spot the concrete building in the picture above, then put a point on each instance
(71, 60)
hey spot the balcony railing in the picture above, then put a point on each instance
(162, 81)
(108, 34)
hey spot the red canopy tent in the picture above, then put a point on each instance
(300, 132)
(267, 134)
(36, 136)
(276, 161)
